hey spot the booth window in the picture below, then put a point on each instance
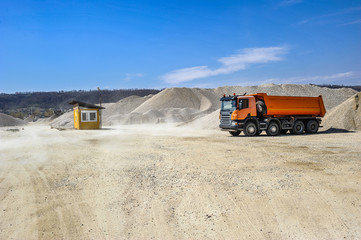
(88, 116)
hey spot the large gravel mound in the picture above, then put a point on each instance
(209, 121)
(64, 121)
(184, 105)
(122, 107)
(166, 115)
(126, 105)
(346, 115)
(175, 98)
(331, 97)
(6, 120)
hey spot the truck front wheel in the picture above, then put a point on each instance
(235, 133)
(273, 129)
(312, 126)
(251, 129)
(298, 127)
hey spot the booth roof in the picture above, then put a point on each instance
(83, 104)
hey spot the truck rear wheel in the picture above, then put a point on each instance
(312, 126)
(273, 129)
(251, 129)
(235, 133)
(298, 127)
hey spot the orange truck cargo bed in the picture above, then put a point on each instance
(289, 105)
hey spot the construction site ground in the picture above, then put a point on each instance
(161, 182)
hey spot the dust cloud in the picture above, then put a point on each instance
(161, 181)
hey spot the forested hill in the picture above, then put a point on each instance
(59, 100)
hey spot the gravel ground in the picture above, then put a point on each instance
(160, 182)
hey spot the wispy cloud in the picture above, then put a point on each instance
(230, 64)
(320, 79)
(287, 3)
(337, 78)
(130, 76)
(351, 23)
(326, 16)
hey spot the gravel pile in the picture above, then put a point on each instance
(184, 105)
(114, 112)
(6, 120)
(126, 105)
(64, 121)
(48, 119)
(331, 97)
(165, 115)
(209, 121)
(346, 115)
(176, 98)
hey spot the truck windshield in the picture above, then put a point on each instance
(228, 104)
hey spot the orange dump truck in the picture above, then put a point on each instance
(259, 112)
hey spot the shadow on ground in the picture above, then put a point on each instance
(328, 131)
(335, 130)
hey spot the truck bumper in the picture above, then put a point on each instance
(234, 126)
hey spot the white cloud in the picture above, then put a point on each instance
(230, 64)
(332, 15)
(327, 79)
(286, 3)
(130, 76)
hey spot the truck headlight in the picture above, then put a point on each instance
(234, 115)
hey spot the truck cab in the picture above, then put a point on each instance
(234, 111)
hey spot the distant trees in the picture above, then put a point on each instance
(42, 103)
(17, 115)
(48, 112)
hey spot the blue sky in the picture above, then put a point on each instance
(66, 45)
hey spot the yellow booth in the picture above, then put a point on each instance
(86, 116)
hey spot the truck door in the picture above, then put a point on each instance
(246, 106)
(243, 107)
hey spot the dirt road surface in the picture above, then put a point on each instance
(172, 183)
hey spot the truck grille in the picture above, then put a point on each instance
(225, 119)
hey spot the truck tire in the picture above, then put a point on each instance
(261, 107)
(312, 126)
(273, 129)
(251, 129)
(235, 133)
(298, 127)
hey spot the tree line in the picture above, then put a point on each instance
(22, 104)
